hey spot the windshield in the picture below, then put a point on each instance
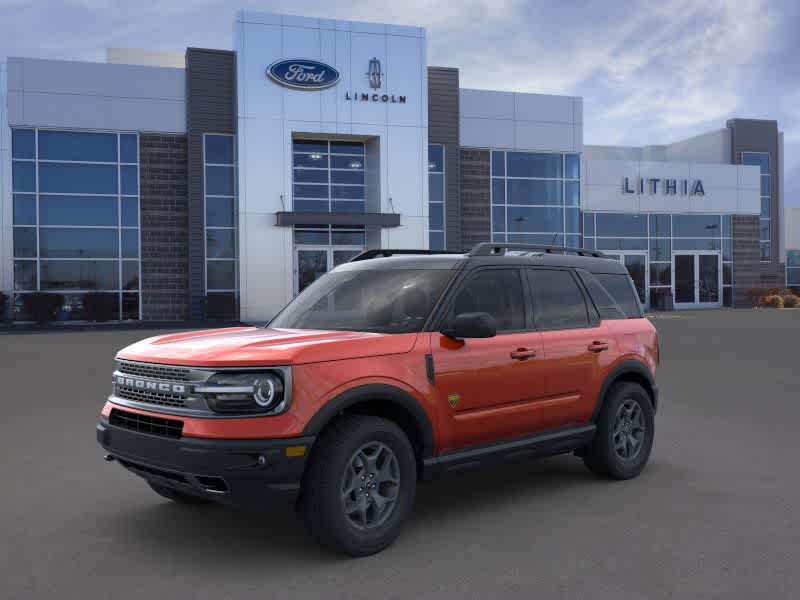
(380, 301)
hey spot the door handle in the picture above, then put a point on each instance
(598, 346)
(523, 354)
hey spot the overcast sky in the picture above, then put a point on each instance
(650, 72)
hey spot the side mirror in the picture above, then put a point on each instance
(471, 325)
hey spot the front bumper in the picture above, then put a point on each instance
(248, 473)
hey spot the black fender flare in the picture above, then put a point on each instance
(627, 367)
(381, 393)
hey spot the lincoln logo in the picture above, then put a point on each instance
(150, 386)
(301, 74)
(374, 74)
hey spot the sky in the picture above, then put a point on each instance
(650, 72)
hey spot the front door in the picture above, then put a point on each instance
(636, 263)
(697, 279)
(311, 263)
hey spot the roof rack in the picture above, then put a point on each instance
(376, 252)
(490, 249)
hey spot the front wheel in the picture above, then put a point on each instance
(360, 486)
(624, 436)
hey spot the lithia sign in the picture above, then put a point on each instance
(667, 186)
(306, 74)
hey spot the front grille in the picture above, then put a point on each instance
(145, 423)
(160, 398)
(163, 372)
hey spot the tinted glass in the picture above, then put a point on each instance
(551, 239)
(498, 191)
(558, 302)
(348, 238)
(660, 226)
(347, 192)
(312, 175)
(530, 164)
(77, 179)
(357, 177)
(494, 291)
(695, 244)
(347, 148)
(436, 189)
(221, 274)
(219, 181)
(343, 162)
(24, 209)
(130, 243)
(435, 158)
(314, 161)
(572, 220)
(129, 184)
(80, 275)
(219, 212)
(498, 164)
(588, 224)
(624, 225)
(347, 206)
(78, 243)
(311, 205)
(77, 210)
(23, 143)
(311, 237)
(524, 219)
(219, 149)
(385, 301)
(130, 307)
(793, 258)
(660, 249)
(661, 274)
(696, 225)
(572, 193)
(128, 149)
(310, 146)
(606, 306)
(81, 146)
(220, 243)
(130, 275)
(759, 159)
(436, 240)
(25, 242)
(23, 176)
(531, 191)
(621, 289)
(130, 212)
(25, 275)
(765, 250)
(621, 244)
(436, 216)
(573, 166)
(310, 191)
(727, 226)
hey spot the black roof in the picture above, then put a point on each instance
(487, 255)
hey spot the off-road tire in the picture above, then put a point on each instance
(602, 456)
(175, 495)
(322, 496)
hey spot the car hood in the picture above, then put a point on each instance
(256, 346)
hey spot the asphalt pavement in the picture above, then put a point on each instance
(714, 515)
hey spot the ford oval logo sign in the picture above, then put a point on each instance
(303, 74)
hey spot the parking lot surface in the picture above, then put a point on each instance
(713, 516)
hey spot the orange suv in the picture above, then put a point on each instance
(395, 366)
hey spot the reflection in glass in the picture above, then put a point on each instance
(77, 146)
(57, 242)
(80, 275)
(219, 149)
(77, 210)
(66, 178)
(25, 275)
(221, 274)
(25, 242)
(24, 209)
(220, 243)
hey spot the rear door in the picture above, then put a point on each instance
(576, 345)
(488, 388)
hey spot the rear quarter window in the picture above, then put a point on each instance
(620, 287)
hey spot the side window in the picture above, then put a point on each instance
(494, 291)
(606, 306)
(558, 302)
(621, 289)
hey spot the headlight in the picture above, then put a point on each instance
(249, 393)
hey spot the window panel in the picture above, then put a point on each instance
(25, 242)
(621, 289)
(346, 162)
(311, 175)
(77, 210)
(129, 183)
(522, 191)
(57, 242)
(765, 185)
(220, 243)
(221, 274)
(624, 225)
(435, 158)
(219, 212)
(128, 149)
(130, 274)
(219, 181)
(497, 292)
(312, 237)
(766, 251)
(727, 226)
(347, 206)
(660, 226)
(572, 220)
(498, 163)
(572, 191)
(23, 143)
(23, 176)
(622, 243)
(311, 205)
(695, 244)
(763, 229)
(660, 274)
(219, 149)
(348, 238)
(25, 275)
(727, 273)
(727, 297)
(79, 275)
(498, 191)
(436, 216)
(530, 164)
(759, 159)
(130, 307)
(77, 179)
(316, 161)
(572, 240)
(347, 192)
(436, 240)
(130, 212)
(588, 224)
(24, 209)
(793, 258)
(696, 225)
(498, 218)
(557, 300)
(310, 191)
(660, 249)
(534, 219)
(310, 146)
(78, 146)
(347, 148)
(573, 166)
(436, 187)
(765, 208)
(130, 243)
(549, 239)
(353, 177)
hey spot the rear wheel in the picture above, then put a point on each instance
(360, 486)
(624, 437)
(175, 495)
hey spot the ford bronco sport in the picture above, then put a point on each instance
(395, 366)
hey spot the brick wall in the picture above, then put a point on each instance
(165, 226)
(748, 271)
(476, 217)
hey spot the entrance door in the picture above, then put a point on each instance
(636, 263)
(311, 263)
(697, 279)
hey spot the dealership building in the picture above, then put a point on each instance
(218, 184)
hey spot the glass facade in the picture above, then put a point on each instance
(658, 236)
(328, 176)
(761, 160)
(436, 193)
(793, 269)
(76, 219)
(219, 159)
(535, 198)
